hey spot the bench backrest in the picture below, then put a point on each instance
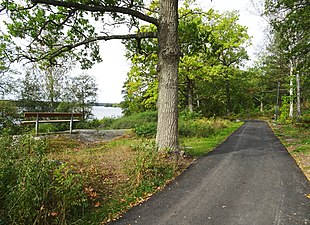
(52, 114)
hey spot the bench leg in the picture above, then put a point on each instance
(37, 125)
(71, 124)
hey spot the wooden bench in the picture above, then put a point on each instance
(47, 117)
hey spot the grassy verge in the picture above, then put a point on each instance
(95, 182)
(117, 174)
(197, 147)
(297, 140)
(124, 172)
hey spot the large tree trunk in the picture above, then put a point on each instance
(168, 62)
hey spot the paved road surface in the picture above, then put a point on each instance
(250, 179)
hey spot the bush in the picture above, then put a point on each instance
(187, 115)
(146, 130)
(88, 124)
(305, 120)
(106, 123)
(128, 122)
(47, 128)
(8, 117)
(34, 190)
(201, 127)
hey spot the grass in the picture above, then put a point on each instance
(124, 172)
(82, 181)
(296, 139)
(197, 147)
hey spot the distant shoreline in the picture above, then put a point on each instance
(93, 104)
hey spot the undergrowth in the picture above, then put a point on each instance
(61, 180)
(296, 139)
(35, 190)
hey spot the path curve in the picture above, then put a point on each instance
(249, 179)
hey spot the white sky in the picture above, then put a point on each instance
(111, 73)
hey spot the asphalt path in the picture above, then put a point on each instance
(250, 179)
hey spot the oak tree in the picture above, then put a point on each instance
(74, 27)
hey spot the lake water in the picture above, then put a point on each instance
(100, 112)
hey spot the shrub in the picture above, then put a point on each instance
(106, 123)
(8, 117)
(305, 120)
(88, 124)
(201, 127)
(34, 190)
(146, 130)
(47, 128)
(187, 115)
(128, 122)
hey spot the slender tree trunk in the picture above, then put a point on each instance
(291, 112)
(298, 95)
(190, 95)
(168, 62)
(261, 106)
(197, 102)
(228, 100)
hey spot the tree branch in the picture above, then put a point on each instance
(102, 9)
(66, 48)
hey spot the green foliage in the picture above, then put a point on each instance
(89, 124)
(146, 130)
(305, 120)
(196, 147)
(106, 123)
(213, 47)
(201, 127)
(289, 22)
(48, 128)
(34, 190)
(190, 124)
(8, 117)
(284, 110)
(134, 120)
(186, 115)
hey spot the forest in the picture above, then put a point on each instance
(190, 79)
(213, 76)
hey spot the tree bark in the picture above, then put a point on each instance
(291, 112)
(168, 62)
(190, 95)
(298, 95)
(228, 100)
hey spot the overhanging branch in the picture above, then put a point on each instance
(66, 48)
(102, 9)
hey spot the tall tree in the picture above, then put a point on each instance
(6, 79)
(84, 92)
(67, 25)
(290, 20)
(210, 43)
